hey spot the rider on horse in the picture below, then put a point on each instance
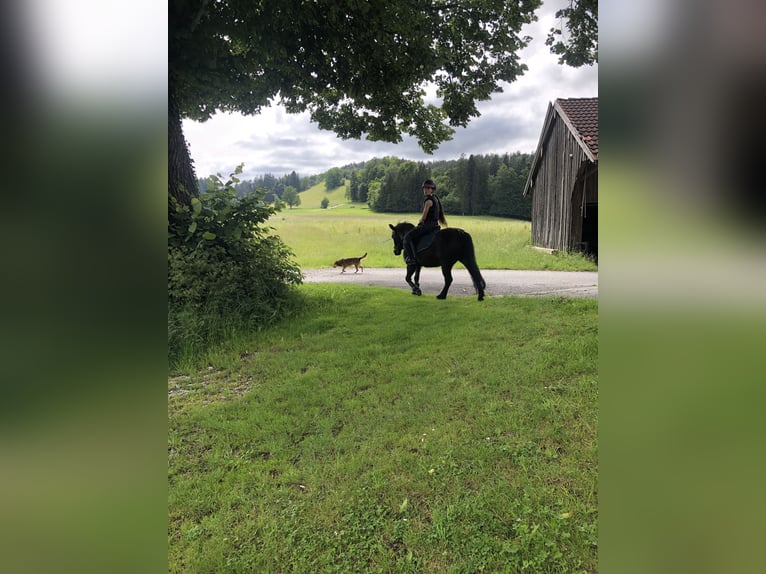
(433, 214)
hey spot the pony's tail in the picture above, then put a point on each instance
(473, 268)
(478, 281)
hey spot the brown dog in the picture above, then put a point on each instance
(349, 261)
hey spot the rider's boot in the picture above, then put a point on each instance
(409, 255)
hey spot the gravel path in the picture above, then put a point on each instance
(499, 281)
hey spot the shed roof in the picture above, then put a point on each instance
(582, 116)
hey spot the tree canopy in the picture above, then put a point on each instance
(359, 68)
(290, 196)
(580, 45)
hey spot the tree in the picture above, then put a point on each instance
(359, 68)
(373, 191)
(294, 180)
(581, 46)
(334, 178)
(324, 203)
(471, 184)
(290, 196)
(400, 188)
(506, 193)
(352, 191)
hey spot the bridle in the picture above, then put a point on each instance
(398, 243)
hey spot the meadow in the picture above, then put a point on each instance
(377, 432)
(318, 237)
(372, 431)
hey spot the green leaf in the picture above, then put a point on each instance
(209, 236)
(196, 205)
(193, 227)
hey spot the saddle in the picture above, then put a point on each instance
(426, 240)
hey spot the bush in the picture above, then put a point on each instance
(226, 273)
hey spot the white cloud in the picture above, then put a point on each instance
(276, 142)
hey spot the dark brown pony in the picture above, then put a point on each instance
(448, 247)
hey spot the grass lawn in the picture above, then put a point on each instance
(318, 237)
(379, 432)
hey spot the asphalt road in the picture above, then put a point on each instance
(500, 282)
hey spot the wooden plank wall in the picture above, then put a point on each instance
(552, 208)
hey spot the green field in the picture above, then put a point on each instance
(312, 197)
(318, 237)
(374, 432)
(371, 431)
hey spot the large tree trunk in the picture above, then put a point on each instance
(182, 181)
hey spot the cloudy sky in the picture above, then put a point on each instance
(277, 142)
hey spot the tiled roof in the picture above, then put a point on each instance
(582, 114)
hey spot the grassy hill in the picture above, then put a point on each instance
(312, 197)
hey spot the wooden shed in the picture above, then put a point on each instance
(563, 178)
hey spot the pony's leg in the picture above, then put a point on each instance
(413, 284)
(416, 283)
(447, 272)
(408, 278)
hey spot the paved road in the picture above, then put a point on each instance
(499, 281)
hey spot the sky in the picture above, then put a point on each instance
(276, 142)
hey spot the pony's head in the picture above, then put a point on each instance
(398, 232)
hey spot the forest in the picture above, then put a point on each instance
(475, 185)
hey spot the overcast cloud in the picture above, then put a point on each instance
(277, 142)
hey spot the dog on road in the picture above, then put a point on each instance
(349, 261)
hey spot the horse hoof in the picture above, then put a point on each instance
(417, 292)
(440, 296)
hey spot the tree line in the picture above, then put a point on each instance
(268, 183)
(277, 190)
(474, 185)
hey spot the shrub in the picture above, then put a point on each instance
(226, 273)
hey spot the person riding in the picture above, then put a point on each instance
(433, 214)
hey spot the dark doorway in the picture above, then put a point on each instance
(590, 230)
